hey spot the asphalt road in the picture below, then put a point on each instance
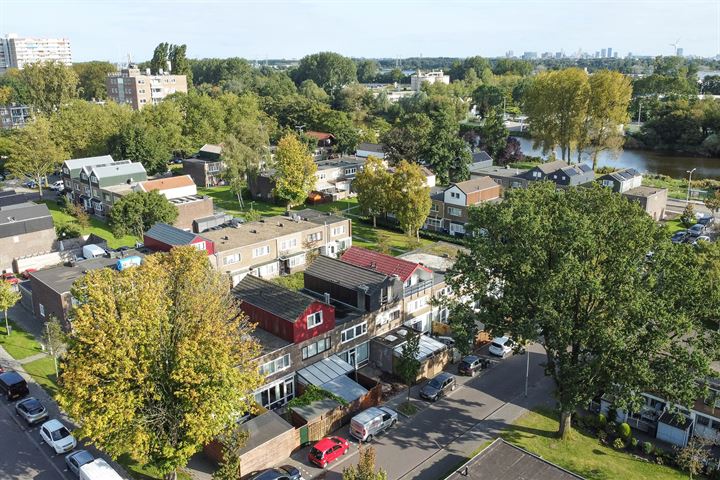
(443, 434)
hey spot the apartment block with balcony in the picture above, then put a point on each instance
(130, 86)
(16, 51)
(14, 116)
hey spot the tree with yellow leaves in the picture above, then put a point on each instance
(294, 171)
(160, 360)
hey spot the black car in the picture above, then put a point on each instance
(438, 386)
(286, 472)
(13, 386)
(679, 236)
(707, 220)
(470, 365)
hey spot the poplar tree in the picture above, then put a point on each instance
(373, 184)
(294, 171)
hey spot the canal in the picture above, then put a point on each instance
(646, 161)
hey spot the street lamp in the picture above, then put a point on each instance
(689, 172)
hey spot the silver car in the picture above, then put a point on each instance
(31, 410)
(77, 459)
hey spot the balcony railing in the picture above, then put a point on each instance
(418, 287)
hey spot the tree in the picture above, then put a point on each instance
(160, 360)
(294, 171)
(34, 152)
(687, 218)
(49, 85)
(55, 340)
(137, 143)
(232, 441)
(329, 70)
(694, 456)
(365, 469)
(464, 326)
(410, 197)
(311, 91)
(407, 140)
(8, 298)
(408, 365)
(179, 64)
(373, 184)
(241, 160)
(92, 78)
(367, 70)
(512, 152)
(486, 98)
(713, 202)
(160, 58)
(136, 212)
(570, 270)
(493, 133)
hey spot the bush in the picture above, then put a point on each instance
(601, 420)
(618, 444)
(623, 430)
(634, 443)
(688, 216)
(68, 230)
(647, 448)
(602, 436)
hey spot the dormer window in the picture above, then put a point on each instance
(314, 319)
(537, 174)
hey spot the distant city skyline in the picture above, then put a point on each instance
(110, 30)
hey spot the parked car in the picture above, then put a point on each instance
(470, 365)
(30, 184)
(327, 450)
(502, 346)
(285, 472)
(56, 186)
(55, 434)
(98, 469)
(696, 230)
(10, 278)
(707, 220)
(679, 236)
(77, 459)
(31, 410)
(701, 238)
(373, 421)
(13, 386)
(26, 274)
(438, 387)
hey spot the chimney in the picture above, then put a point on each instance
(327, 298)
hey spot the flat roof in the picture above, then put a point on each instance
(262, 429)
(503, 461)
(643, 191)
(268, 342)
(499, 171)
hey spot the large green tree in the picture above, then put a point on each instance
(493, 133)
(136, 212)
(294, 171)
(160, 359)
(179, 64)
(160, 57)
(373, 185)
(49, 85)
(329, 70)
(92, 78)
(598, 283)
(410, 197)
(85, 129)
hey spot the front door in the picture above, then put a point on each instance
(352, 357)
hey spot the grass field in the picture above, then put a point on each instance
(224, 199)
(581, 454)
(19, 344)
(141, 472)
(43, 372)
(98, 227)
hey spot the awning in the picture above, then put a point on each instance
(428, 347)
(345, 388)
(324, 371)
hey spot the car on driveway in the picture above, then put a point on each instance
(328, 450)
(696, 230)
(679, 236)
(57, 186)
(10, 278)
(30, 184)
(501, 346)
(438, 387)
(701, 238)
(57, 436)
(13, 386)
(707, 220)
(31, 410)
(285, 472)
(77, 459)
(470, 365)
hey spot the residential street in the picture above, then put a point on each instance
(442, 435)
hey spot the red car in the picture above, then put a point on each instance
(327, 450)
(10, 278)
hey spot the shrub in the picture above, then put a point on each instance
(623, 430)
(601, 420)
(602, 436)
(634, 443)
(618, 444)
(68, 230)
(688, 216)
(647, 448)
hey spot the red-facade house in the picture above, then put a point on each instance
(163, 237)
(288, 314)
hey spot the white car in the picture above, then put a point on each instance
(57, 436)
(502, 346)
(59, 185)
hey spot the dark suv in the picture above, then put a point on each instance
(13, 386)
(470, 365)
(438, 387)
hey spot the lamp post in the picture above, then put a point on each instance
(527, 367)
(689, 172)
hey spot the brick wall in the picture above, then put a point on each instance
(23, 245)
(187, 212)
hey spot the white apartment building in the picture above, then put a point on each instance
(436, 76)
(16, 52)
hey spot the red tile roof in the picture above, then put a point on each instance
(380, 262)
(319, 135)
(167, 183)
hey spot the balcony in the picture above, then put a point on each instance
(418, 287)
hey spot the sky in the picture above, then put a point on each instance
(112, 29)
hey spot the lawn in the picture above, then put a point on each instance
(97, 226)
(674, 225)
(43, 372)
(224, 199)
(677, 187)
(19, 344)
(582, 454)
(141, 472)
(380, 239)
(294, 281)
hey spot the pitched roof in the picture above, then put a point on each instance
(550, 167)
(345, 274)
(77, 163)
(273, 298)
(209, 147)
(169, 235)
(319, 135)
(118, 168)
(476, 184)
(167, 183)
(380, 262)
(22, 218)
(481, 156)
(624, 174)
(371, 147)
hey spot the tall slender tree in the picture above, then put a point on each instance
(410, 197)
(8, 298)
(373, 186)
(294, 171)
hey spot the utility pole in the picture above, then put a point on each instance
(639, 109)
(527, 368)
(690, 172)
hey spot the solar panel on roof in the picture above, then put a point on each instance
(571, 172)
(584, 167)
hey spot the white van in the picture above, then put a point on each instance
(92, 251)
(98, 469)
(368, 423)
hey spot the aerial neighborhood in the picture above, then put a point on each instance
(337, 267)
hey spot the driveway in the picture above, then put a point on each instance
(441, 435)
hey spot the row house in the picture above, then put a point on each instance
(206, 166)
(559, 172)
(181, 191)
(277, 245)
(628, 182)
(163, 237)
(449, 211)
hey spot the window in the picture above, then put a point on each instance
(314, 237)
(199, 246)
(261, 251)
(314, 319)
(338, 230)
(434, 222)
(704, 421)
(454, 195)
(416, 304)
(554, 177)
(563, 178)
(607, 183)
(277, 365)
(353, 332)
(288, 244)
(314, 348)
(356, 356)
(537, 174)
(296, 260)
(277, 393)
(42, 309)
(455, 212)
(434, 207)
(230, 259)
